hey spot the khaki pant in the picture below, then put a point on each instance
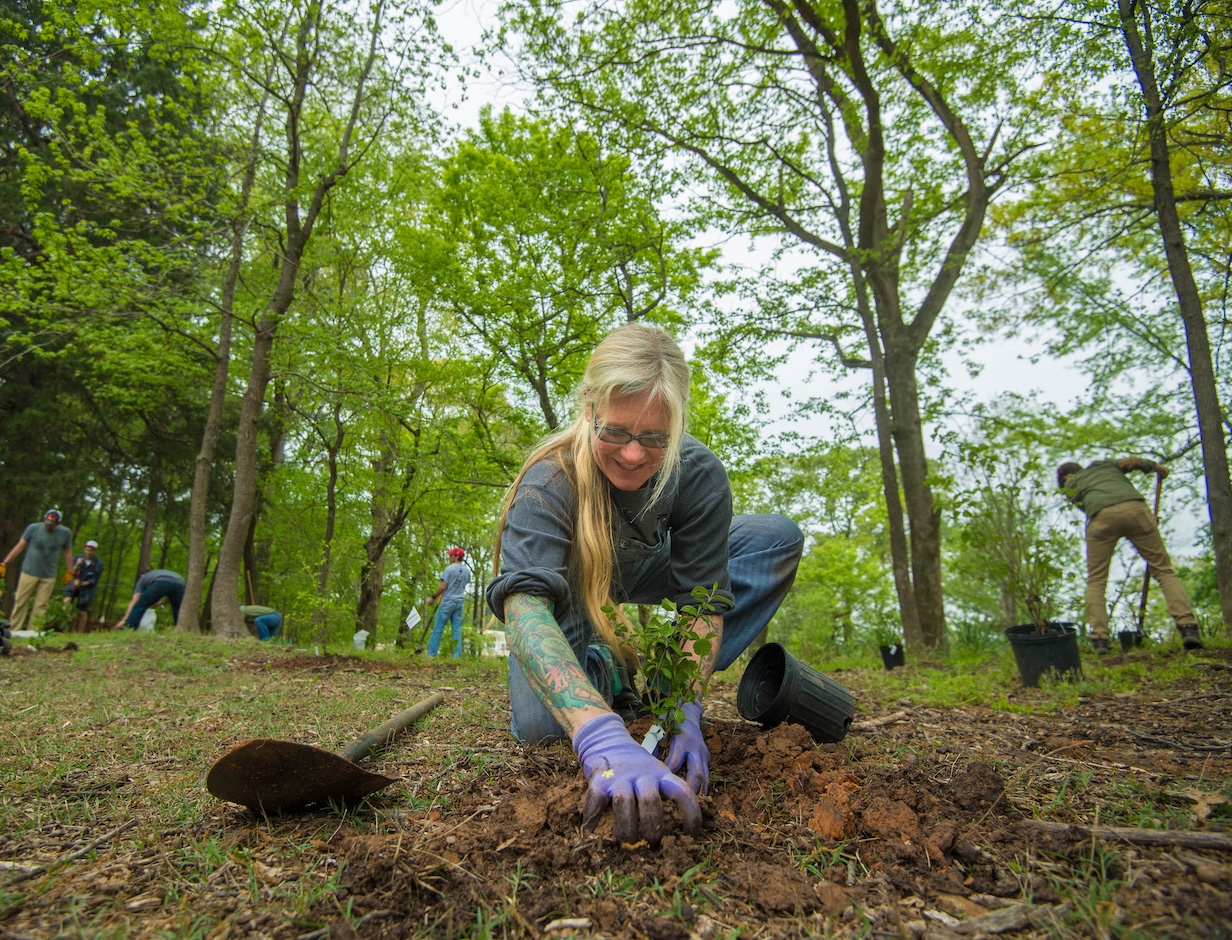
(1134, 521)
(37, 588)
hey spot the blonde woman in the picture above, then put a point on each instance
(624, 506)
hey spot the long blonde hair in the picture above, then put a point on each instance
(633, 359)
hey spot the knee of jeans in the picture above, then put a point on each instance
(775, 529)
(782, 531)
(790, 533)
(534, 730)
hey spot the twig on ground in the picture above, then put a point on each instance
(568, 923)
(1178, 745)
(24, 876)
(881, 722)
(1186, 838)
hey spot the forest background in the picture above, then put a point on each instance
(272, 318)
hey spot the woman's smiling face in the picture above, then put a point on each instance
(629, 466)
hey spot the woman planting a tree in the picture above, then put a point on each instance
(620, 507)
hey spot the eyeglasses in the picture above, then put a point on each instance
(621, 437)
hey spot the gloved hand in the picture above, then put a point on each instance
(4, 569)
(688, 750)
(619, 772)
(68, 577)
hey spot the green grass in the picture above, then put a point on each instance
(127, 726)
(144, 718)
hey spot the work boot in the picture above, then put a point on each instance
(1099, 646)
(1189, 636)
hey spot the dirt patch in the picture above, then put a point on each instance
(328, 663)
(924, 822)
(920, 827)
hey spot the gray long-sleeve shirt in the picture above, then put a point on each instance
(690, 523)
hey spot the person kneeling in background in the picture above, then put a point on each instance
(263, 622)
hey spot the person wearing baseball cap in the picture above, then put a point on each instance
(87, 570)
(44, 539)
(451, 594)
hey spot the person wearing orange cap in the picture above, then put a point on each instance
(451, 594)
(44, 540)
(86, 569)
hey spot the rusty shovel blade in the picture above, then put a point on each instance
(271, 775)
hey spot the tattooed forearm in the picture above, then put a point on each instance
(549, 663)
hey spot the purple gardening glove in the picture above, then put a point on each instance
(688, 750)
(620, 772)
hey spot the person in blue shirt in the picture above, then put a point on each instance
(152, 589)
(451, 594)
(87, 570)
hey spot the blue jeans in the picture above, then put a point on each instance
(268, 625)
(451, 611)
(172, 590)
(764, 552)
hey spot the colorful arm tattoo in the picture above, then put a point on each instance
(549, 663)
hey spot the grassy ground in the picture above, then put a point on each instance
(107, 830)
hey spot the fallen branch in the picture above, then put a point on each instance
(1179, 745)
(25, 876)
(871, 723)
(1188, 839)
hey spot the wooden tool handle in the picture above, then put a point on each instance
(1146, 571)
(383, 734)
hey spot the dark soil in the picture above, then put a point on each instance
(923, 822)
(920, 826)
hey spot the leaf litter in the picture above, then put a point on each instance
(925, 822)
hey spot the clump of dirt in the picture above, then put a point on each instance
(912, 827)
(1106, 817)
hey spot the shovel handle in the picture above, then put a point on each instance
(1146, 571)
(383, 734)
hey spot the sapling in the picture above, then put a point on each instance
(663, 645)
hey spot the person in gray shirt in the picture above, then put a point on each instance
(153, 588)
(43, 542)
(624, 507)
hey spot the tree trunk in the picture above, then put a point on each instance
(900, 557)
(1201, 368)
(320, 612)
(224, 598)
(147, 526)
(923, 516)
(372, 583)
(297, 231)
(387, 521)
(194, 577)
(190, 609)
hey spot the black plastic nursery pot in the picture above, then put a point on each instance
(777, 687)
(1038, 654)
(893, 655)
(1129, 639)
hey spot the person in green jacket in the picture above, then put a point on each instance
(1115, 510)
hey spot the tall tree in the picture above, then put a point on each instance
(555, 240)
(873, 143)
(1167, 43)
(1134, 184)
(341, 79)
